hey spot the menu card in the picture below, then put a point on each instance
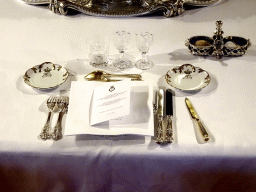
(137, 119)
(110, 101)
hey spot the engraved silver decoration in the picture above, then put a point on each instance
(169, 129)
(218, 46)
(45, 133)
(160, 97)
(121, 8)
(62, 105)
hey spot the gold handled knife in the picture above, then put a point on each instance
(195, 116)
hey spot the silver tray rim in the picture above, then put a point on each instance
(169, 7)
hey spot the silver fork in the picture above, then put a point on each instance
(62, 104)
(45, 133)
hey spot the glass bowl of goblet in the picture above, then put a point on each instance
(144, 41)
(121, 41)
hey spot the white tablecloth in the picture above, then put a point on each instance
(31, 35)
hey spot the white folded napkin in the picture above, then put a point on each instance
(140, 121)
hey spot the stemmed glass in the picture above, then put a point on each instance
(99, 52)
(121, 42)
(144, 40)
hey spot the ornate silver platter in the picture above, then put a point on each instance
(121, 8)
(46, 76)
(187, 78)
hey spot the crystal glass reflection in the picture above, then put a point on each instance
(121, 42)
(144, 40)
(98, 52)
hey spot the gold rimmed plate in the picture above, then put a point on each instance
(46, 76)
(187, 78)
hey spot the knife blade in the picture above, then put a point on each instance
(160, 115)
(195, 116)
(169, 115)
(160, 102)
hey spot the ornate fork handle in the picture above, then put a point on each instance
(62, 103)
(45, 134)
(57, 131)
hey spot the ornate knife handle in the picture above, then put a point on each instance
(202, 130)
(159, 131)
(169, 130)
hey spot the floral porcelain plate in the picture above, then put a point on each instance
(46, 76)
(187, 78)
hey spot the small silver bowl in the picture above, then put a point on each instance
(200, 45)
(235, 46)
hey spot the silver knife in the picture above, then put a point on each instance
(160, 116)
(195, 116)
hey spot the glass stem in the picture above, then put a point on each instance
(144, 56)
(121, 54)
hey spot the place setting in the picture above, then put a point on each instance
(113, 103)
(101, 105)
(132, 109)
(48, 76)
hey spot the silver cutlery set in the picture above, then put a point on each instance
(163, 111)
(55, 104)
(164, 114)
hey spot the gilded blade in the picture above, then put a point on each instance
(191, 109)
(194, 115)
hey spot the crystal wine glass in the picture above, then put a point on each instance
(121, 42)
(99, 52)
(144, 40)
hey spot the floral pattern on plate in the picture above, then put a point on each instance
(187, 78)
(46, 76)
